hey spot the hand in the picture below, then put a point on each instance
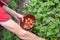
(19, 16)
(16, 15)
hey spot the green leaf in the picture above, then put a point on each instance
(56, 1)
(58, 35)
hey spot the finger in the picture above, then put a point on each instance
(17, 18)
(22, 19)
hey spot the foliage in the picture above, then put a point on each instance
(7, 35)
(47, 13)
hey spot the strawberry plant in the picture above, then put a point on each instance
(47, 18)
(47, 13)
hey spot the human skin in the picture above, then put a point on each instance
(16, 29)
(7, 1)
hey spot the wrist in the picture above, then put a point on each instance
(19, 15)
